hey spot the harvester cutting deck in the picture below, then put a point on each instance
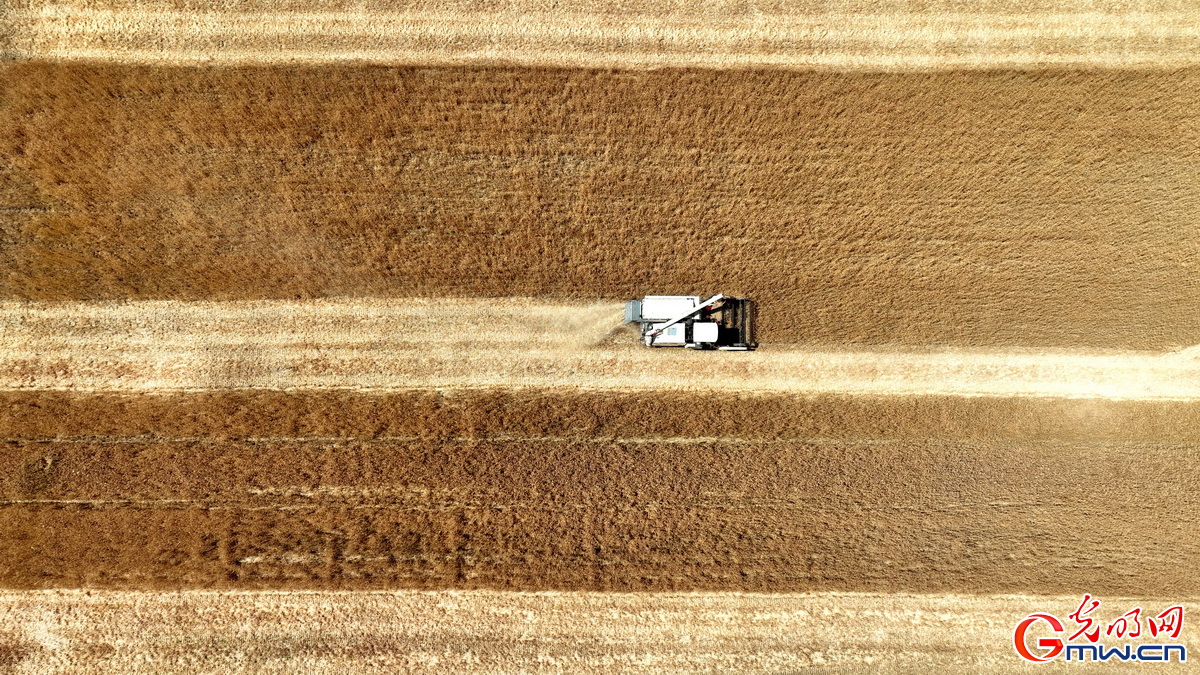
(720, 322)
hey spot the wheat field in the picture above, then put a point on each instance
(1017, 209)
(311, 354)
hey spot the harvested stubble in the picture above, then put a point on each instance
(986, 208)
(883, 35)
(93, 631)
(514, 343)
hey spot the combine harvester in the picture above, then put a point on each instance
(720, 322)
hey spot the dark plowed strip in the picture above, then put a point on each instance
(983, 208)
(40, 415)
(974, 517)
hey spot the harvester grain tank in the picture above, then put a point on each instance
(720, 322)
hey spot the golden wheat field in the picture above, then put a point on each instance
(312, 355)
(996, 208)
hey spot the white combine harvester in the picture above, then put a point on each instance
(720, 322)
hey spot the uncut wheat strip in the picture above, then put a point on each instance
(398, 344)
(721, 35)
(485, 631)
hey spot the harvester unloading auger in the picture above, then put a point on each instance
(720, 322)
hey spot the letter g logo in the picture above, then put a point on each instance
(1055, 645)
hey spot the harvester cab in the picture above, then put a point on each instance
(720, 322)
